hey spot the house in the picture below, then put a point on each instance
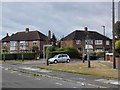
(84, 39)
(24, 41)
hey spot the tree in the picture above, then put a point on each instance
(54, 40)
(34, 48)
(117, 29)
(117, 46)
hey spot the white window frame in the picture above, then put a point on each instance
(23, 45)
(35, 42)
(107, 42)
(98, 42)
(4, 44)
(89, 41)
(78, 42)
(13, 46)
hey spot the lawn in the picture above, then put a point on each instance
(97, 69)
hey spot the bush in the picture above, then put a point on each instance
(72, 52)
(100, 54)
(14, 56)
(117, 53)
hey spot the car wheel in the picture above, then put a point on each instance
(55, 61)
(68, 61)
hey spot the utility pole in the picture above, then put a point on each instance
(104, 41)
(113, 32)
(88, 54)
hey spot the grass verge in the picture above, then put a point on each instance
(97, 69)
(13, 61)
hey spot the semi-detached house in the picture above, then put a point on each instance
(82, 39)
(24, 41)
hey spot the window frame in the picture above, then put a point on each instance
(77, 42)
(98, 42)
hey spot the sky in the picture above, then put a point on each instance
(61, 18)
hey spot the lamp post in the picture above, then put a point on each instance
(113, 33)
(104, 41)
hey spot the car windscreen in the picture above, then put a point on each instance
(55, 56)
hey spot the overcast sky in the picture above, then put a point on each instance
(61, 18)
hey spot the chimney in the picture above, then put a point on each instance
(49, 36)
(86, 29)
(27, 30)
(7, 34)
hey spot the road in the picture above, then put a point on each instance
(12, 78)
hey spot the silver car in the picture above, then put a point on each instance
(59, 58)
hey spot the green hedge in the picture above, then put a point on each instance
(71, 54)
(100, 54)
(14, 56)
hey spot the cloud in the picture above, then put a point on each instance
(59, 17)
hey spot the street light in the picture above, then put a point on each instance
(104, 41)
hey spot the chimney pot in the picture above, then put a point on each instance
(7, 34)
(86, 29)
(27, 29)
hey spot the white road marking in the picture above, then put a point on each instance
(13, 72)
(82, 78)
(38, 78)
(58, 83)
(35, 69)
(116, 82)
(83, 84)
(6, 68)
(19, 74)
(1, 67)
(96, 86)
(74, 87)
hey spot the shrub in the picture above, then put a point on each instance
(99, 54)
(72, 52)
(14, 56)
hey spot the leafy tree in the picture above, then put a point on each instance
(117, 29)
(34, 48)
(54, 40)
(117, 46)
(50, 49)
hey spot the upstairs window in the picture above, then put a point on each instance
(77, 42)
(107, 43)
(13, 43)
(88, 41)
(4, 44)
(98, 42)
(34, 42)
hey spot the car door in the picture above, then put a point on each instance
(64, 58)
(60, 59)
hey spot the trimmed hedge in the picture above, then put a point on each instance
(14, 56)
(100, 54)
(71, 54)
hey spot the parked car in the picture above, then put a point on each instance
(59, 58)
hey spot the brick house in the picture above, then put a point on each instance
(24, 41)
(81, 39)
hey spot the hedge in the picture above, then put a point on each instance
(14, 56)
(71, 54)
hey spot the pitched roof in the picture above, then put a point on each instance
(28, 36)
(6, 39)
(81, 35)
